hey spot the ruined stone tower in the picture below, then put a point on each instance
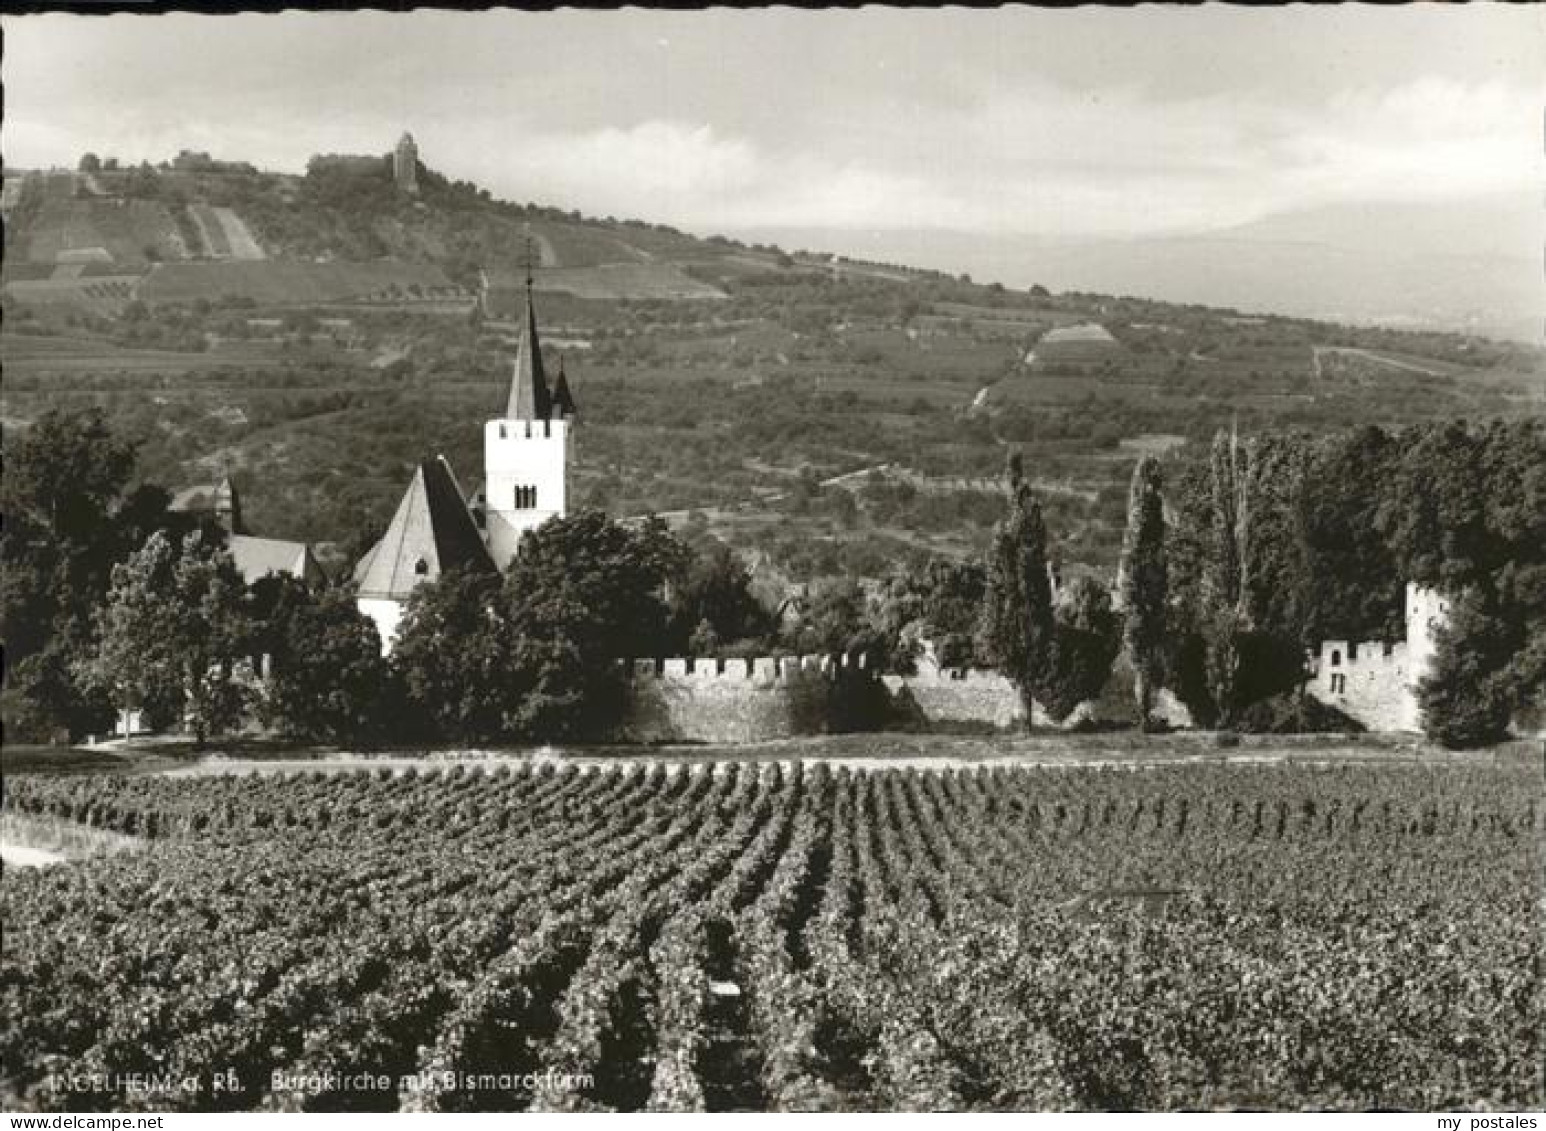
(405, 165)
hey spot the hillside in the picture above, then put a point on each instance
(1470, 265)
(318, 334)
(99, 240)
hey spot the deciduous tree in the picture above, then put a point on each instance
(584, 593)
(328, 680)
(453, 652)
(1087, 634)
(1354, 584)
(1468, 697)
(535, 656)
(620, 574)
(70, 514)
(942, 602)
(174, 626)
(834, 619)
(1466, 514)
(714, 591)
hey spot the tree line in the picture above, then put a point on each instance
(1237, 558)
(1264, 546)
(111, 601)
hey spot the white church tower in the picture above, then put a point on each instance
(526, 452)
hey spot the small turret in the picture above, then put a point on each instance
(563, 399)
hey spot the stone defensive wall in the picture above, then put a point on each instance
(748, 700)
(983, 697)
(969, 696)
(716, 700)
(1372, 681)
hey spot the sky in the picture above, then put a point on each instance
(1084, 121)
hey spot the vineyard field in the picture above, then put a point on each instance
(781, 935)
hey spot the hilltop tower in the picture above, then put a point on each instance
(526, 451)
(405, 165)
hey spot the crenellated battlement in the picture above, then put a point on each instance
(721, 699)
(525, 464)
(524, 430)
(761, 670)
(1361, 655)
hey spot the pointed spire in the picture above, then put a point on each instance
(529, 396)
(563, 399)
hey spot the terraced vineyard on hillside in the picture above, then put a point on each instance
(782, 936)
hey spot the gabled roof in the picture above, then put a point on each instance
(529, 396)
(431, 532)
(256, 558)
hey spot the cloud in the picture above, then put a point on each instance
(1047, 160)
(654, 161)
(1427, 139)
(1007, 122)
(688, 173)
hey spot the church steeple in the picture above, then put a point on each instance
(526, 452)
(530, 398)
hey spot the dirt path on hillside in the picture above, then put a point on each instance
(238, 236)
(1369, 355)
(546, 256)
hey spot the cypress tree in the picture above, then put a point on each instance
(1224, 583)
(1144, 583)
(1017, 627)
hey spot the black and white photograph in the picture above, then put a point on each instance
(773, 559)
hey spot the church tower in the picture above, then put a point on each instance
(526, 452)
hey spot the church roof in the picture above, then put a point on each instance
(431, 532)
(529, 395)
(256, 558)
